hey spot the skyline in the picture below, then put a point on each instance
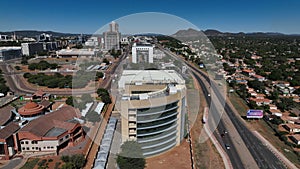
(88, 17)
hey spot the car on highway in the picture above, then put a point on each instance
(227, 146)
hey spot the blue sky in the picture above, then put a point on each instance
(90, 15)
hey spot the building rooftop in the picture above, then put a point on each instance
(296, 136)
(30, 108)
(45, 103)
(5, 114)
(6, 48)
(139, 77)
(55, 131)
(75, 52)
(49, 124)
(8, 130)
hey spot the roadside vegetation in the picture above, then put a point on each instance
(131, 156)
(3, 87)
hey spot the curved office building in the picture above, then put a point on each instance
(153, 109)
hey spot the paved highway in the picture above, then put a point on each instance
(232, 152)
(262, 155)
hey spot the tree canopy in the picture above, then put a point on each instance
(131, 156)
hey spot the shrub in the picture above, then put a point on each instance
(42, 163)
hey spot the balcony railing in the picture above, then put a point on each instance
(156, 137)
(151, 144)
(150, 110)
(145, 119)
(148, 120)
(155, 124)
(156, 130)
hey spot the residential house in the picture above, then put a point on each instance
(292, 128)
(295, 138)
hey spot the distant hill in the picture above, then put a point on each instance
(34, 33)
(212, 32)
(187, 33)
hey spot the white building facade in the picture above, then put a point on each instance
(142, 53)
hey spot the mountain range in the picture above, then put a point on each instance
(35, 33)
(188, 32)
(212, 32)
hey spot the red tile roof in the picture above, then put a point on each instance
(31, 108)
(8, 130)
(39, 93)
(5, 114)
(40, 126)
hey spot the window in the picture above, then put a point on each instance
(60, 140)
(36, 148)
(22, 142)
(26, 142)
(67, 136)
(32, 148)
(23, 148)
(48, 147)
(27, 148)
(44, 147)
(52, 147)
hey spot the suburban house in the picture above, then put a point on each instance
(295, 138)
(259, 78)
(292, 128)
(248, 72)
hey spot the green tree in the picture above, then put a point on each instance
(17, 67)
(93, 116)
(106, 99)
(76, 161)
(105, 60)
(102, 91)
(70, 101)
(99, 75)
(131, 156)
(86, 98)
(257, 85)
(297, 91)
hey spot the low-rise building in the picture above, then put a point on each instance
(259, 78)
(248, 72)
(142, 53)
(34, 48)
(292, 128)
(8, 141)
(51, 132)
(6, 115)
(75, 53)
(8, 53)
(261, 102)
(295, 138)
